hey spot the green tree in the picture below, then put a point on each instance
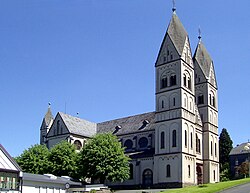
(103, 158)
(244, 169)
(63, 159)
(225, 145)
(34, 159)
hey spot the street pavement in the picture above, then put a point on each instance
(141, 191)
(245, 188)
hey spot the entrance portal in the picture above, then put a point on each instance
(147, 178)
(199, 174)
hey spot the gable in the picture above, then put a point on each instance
(58, 127)
(186, 54)
(173, 43)
(199, 75)
(167, 51)
(7, 162)
(204, 61)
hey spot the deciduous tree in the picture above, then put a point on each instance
(63, 159)
(34, 159)
(103, 158)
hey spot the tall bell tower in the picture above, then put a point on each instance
(175, 158)
(207, 102)
(45, 126)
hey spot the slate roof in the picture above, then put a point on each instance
(48, 179)
(177, 33)
(48, 117)
(240, 149)
(137, 123)
(203, 59)
(78, 126)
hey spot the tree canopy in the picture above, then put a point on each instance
(103, 158)
(60, 160)
(226, 145)
(63, 159)
(34, 159)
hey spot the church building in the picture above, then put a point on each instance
(177, 144)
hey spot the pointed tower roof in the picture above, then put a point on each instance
(48, 118)
(203, 59)
(177, 33)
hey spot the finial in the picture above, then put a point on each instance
(174, 8)
(199, 31)
(49, 104)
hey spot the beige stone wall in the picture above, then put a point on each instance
(160, 168)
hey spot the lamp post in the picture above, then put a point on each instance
(247, 148)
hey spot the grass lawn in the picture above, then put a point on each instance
(210, 188)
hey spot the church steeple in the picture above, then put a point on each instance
(46, 124)
(48, 118)
(174, 41)
(177, 33)
(203, 60)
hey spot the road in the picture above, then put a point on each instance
(245, 188)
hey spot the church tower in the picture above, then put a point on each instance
(176, 112)
(46, 124)
(206, 99)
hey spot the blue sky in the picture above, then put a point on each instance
(97, 57)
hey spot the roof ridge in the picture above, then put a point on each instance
(127, 117)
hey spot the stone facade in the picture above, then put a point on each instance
(177, 144)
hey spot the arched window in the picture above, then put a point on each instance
(191, 140)
(185, 80)
(211, 148)
(58, 126)
(213, 101)
(78, 144)
(128, 144)
(198, 148)
(168, 171)
(162, 104)
(162, 140)
(174, 102)
(143, 142)
(174, 138)
(189, 171)
(189, 83)
(199, 145)
(131, 171)
(172, 80)
(215, 149)
(185, 138)
(164, 82)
